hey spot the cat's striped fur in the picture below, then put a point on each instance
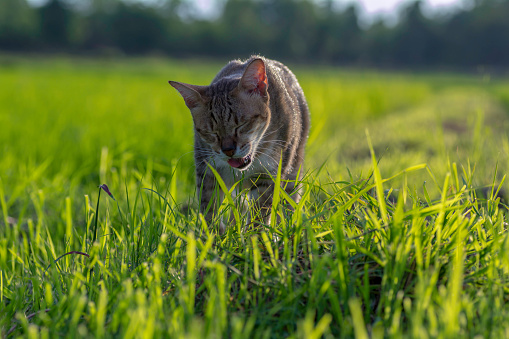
(251, 114)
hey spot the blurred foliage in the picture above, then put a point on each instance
(299, 30)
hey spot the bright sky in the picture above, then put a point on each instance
(387, 6)
(371, 8)
(388, 9)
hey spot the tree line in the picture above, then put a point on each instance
(299, 30)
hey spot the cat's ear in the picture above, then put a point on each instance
(254, 79)
(192, 94)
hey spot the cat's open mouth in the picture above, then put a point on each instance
(240, 163)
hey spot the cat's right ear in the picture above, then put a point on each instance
(254, 79)
(192, 94)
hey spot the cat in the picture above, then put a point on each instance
(253, 113)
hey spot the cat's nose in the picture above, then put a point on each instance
(228, 151)
(228, 146)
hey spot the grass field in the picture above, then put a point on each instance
(424, 254)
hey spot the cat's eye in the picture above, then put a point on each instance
(207, 135)
(239, 127)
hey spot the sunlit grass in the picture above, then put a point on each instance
(423, 254)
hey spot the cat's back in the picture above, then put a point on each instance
(275, 70)
(232, 70)
(285, 83)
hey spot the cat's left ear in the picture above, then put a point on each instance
(254, 79)
(192, 94)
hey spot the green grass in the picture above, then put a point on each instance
(398, 239)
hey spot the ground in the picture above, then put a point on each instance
(421, 255)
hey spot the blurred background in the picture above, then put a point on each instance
(451, 34)
(427, 79)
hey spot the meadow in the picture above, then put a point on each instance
(402, 230)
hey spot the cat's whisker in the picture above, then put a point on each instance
(269, 147)
(281, 143)
(205, 150)
(273, 144)
(284, 141)
(269, 156)
(262, 149)
(183, 155)
(275, 148)
(296, 154)
(272, 132)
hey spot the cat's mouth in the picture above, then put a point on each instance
(240, 163)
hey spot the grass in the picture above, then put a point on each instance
(401, 231)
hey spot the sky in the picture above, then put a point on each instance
(371, 9)
(387, 6)
(388, 9)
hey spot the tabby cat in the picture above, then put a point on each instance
(253, 113)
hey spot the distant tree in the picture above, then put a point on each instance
(415, 41)
(284, 28)
(304, 30)
(243, 29)
(377, 45)
(18, 25)
(339, 37)
(489, 34)
(137, 28)
(55, 22)
(292, 27)
(479, 36)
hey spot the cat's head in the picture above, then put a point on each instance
(231, 115)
